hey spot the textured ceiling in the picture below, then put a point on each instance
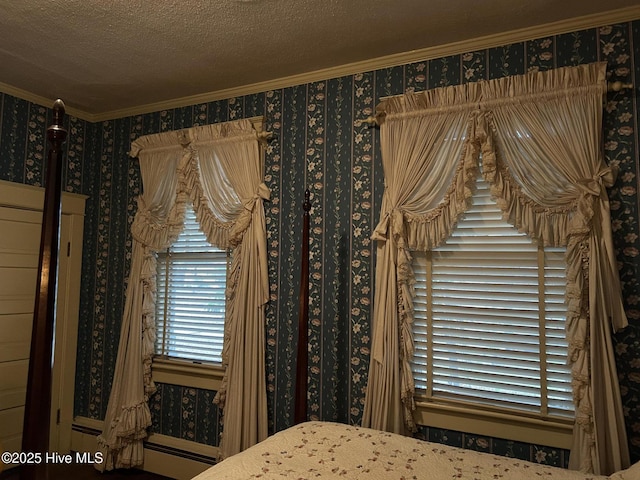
(106, 55)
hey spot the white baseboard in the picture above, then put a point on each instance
(163, 455)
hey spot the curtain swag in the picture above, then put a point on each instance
(539, 138)
(219, 170)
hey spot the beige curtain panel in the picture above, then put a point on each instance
(218, 169)
(539, 138)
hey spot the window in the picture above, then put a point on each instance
(489, 318)
(190, 305)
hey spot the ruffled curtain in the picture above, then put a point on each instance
(540, 139)
(231, 172)
(422, 185)
(218, 168)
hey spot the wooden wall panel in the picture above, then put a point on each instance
(20, 225)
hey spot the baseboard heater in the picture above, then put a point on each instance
(154, 445)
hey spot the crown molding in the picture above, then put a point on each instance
(43, 101)
(388, 61)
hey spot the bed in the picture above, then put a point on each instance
(327, 450)
(336, 451)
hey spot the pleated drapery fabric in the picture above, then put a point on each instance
(539, 137)
(219, 170)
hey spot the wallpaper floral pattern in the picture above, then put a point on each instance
(318, 144)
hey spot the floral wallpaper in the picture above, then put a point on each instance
(318, 144)
(497, 446)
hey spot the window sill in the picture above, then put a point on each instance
(550, 433)
(187, 374)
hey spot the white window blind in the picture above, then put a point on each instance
(489, 317)
(190, 304)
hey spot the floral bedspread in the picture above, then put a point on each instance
(334, 451)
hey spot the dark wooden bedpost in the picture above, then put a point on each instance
(303, 320)
(35, 434)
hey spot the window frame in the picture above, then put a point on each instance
(489, 420)
(181, 371)
(187, 373)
